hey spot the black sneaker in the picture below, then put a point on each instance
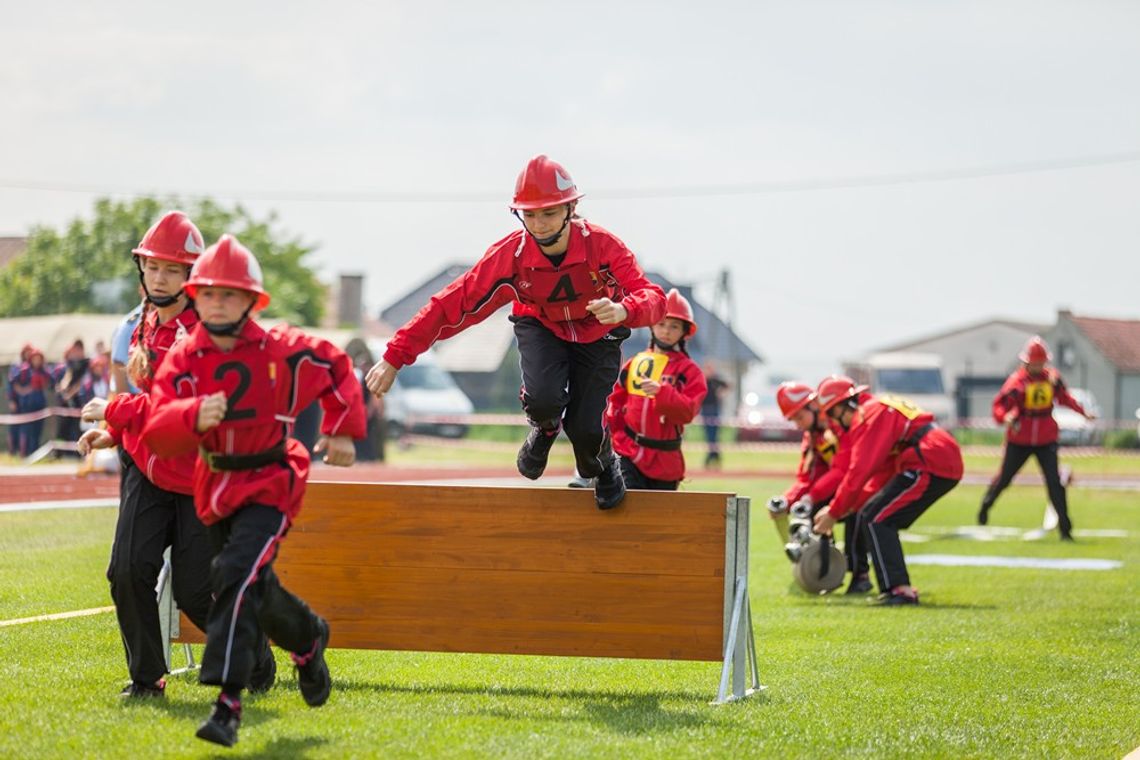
(264, 674)
(138, 690)
(1068, 537)
(983, 515)
(860, 585)
(609, 488)
(312, 671)
(895, 599)
(222, 725)
(535, 451)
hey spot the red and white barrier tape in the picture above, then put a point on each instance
(42, 414)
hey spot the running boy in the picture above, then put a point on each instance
(233, 389)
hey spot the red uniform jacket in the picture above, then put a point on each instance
(819, 447)
(268, 378)
(1028, 400)
(880, 445)
(597, 265)
(126, 413)
(661, 417)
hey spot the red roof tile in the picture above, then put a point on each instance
(10, 248)
(1117, 339)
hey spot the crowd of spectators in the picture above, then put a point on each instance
(34, 385)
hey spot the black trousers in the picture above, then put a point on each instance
(151, 519)
(635, 478)
(1014, 457)
(249, 600)
(895, 507)
(569, 383)
(855, 546)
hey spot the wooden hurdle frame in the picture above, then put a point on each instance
(526, 571)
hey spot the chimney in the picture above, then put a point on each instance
(350, 300)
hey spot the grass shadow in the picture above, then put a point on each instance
(292, 747)
(621, 712)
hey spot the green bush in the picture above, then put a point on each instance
(1121, 439)
(971, 437)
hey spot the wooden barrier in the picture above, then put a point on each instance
(526, 571)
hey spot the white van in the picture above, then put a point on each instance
(916, 376)
(423, 389)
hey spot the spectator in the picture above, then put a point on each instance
(14, 397)
(31, 386)
(73, 386)
(710, 412)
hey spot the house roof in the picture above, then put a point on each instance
(1117, 339)
(10, 248)
(1035, 328)
(482, 347)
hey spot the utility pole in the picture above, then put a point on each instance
(724, 307)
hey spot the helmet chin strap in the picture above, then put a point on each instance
(227, 329)
(159, 301)
(549, 240)
(653, 341)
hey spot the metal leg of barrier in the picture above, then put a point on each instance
(168, 619)
(739, 649)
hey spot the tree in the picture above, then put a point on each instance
(89, 267)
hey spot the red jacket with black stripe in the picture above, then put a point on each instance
(597, 264)
(1026, 402)
(126, 413)
(660, 417)
(268, 378)
(880, 444)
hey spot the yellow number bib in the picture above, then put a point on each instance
(826, 446)
(648, 365)
(901, 404)
(1038, 396)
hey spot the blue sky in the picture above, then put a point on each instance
(868, 171)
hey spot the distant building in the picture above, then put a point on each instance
(484, 360)
(976, 359)
(1102, 355)
(1098, 354)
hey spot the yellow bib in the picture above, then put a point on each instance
(1038, 396)
(901, 404)
(826, 446)
(648, 365)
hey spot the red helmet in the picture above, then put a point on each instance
(542, 184)
(836, 388)
(792, 397)
(172, 238)
(677, 307)
(228, 264)
(1035, 351)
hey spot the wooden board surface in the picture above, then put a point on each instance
(511, 570)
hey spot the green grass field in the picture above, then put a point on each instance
(996, 662)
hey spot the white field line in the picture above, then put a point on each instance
(955, 560)
(57, 616)
(29, 506)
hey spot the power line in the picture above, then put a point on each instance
(679, 191)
